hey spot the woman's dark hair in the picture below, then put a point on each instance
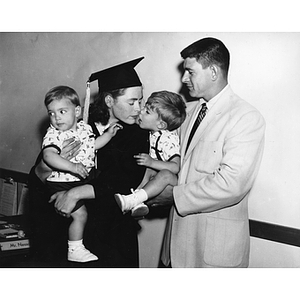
(99, 111)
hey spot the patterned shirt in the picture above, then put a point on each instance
(86, 154)
(164, 145)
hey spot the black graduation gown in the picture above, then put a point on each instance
(110, 234)
(48, 230)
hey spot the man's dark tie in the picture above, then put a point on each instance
(199, 119)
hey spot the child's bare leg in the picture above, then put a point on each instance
(149, 174)
(77, 252)
(76, 228)
(158, 183)
(153, 188)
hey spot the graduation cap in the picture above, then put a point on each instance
(117, 77)
(113, 78)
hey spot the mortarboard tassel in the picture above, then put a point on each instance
(87, 103)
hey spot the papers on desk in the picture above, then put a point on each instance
(14, 199)
(23, 199)
(8, 197)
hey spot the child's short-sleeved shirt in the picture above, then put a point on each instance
(86, 154)
(164, 145)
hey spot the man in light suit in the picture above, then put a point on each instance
(208, 224)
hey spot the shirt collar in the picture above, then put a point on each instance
(214, 100)
(156, 133)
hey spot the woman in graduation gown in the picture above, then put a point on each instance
(110, 234)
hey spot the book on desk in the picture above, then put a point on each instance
(14, 244)
(12, 236)
(14, 207)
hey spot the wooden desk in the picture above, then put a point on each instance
(19, 257)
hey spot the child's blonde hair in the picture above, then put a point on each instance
(61, 91)
(169, 106)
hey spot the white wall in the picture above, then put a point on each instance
(265, 70)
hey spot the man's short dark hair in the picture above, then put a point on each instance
(208, 51)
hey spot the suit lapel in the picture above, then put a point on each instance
(187, 127)
(209, 118)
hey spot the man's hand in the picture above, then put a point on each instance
(70, 148)
(165, 198)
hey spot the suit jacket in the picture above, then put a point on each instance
(208, 225)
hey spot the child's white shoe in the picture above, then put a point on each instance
(81, 254)
(140, 210)
(127, 202)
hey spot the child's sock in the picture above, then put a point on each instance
(141, 195)
(74, 244)
(127, 202)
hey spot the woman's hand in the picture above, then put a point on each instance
(80, 169)
(70, 148)
(64, 203)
